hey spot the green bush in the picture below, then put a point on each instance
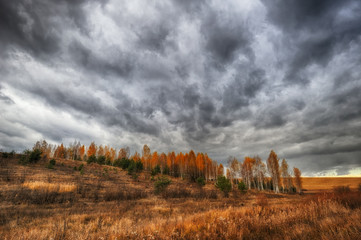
(201, 181)
(81, 167)
(224, 185)
(139, 166)
(134, 167)
(30, 156)
(166, 170)
(122, 163)
(108, 161)
(24, 159)
(8, 154)
(91, 159)
(161, 184)
(51, 164)
(101, 160)
(242, 187)
(155, 170)
(131, 167)
(35, 156)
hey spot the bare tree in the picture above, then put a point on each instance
(146, 156)
(274, 170)
(234, 168)
(297, 179)
(285, 176)
(259, 172)
(247, 171)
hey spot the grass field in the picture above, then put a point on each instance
(104, 202)
(328, 183)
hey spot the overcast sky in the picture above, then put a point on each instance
(223, 77)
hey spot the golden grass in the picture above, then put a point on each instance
(56, 187)
(321, 217)
(97, 209)
(328, 183)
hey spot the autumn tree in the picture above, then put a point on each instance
(171, 160)
(200, 165)
(297, 179)
(247, 171)
(274, 170)
(123, 153)
(234, 168)
(100, 151)
(146, 157)
(220, 170)
(180, 161)
(154, 160)
(73, 150)
(113, 154)
(136, 157)
(192, 166)
(286, 183)
(82, 151)
(60, 151)
(163, 163)
(44, 148)
(259, 172)
(92, 149)
(208, 167)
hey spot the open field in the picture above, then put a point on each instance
(328, 183)
(104, 202)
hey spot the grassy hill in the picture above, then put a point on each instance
(38, 201)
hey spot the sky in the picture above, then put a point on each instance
(230, 78)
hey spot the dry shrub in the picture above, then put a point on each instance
(5, 175)
(342, 189)
(350, 199)
(51, 187)
(205, 194)
(329, 220)
(177, 192)
(40, 196)
(262, 200)
(124, 194)
(22, 177)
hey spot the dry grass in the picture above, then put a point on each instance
(63, 204)
(62, 187)
(328, 183)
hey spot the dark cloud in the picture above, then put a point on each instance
(223, 78)
(226, 38)
(154, 38)
(117, 63)
(298, 15)
(316, 32)
(190, 6)
(24, 25)
(36, 26)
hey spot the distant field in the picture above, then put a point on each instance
(328, 183)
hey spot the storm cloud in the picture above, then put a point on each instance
(224, 77)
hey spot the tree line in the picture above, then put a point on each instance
(272, 175)
(251, 173)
